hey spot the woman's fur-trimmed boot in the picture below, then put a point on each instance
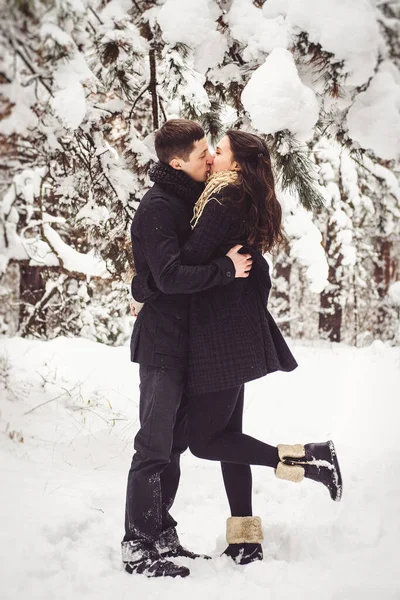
(244, 536)
(314, 461)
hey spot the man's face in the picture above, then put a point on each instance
(199, 162)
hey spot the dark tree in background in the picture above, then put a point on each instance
(84, 86)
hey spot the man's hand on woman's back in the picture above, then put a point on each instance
(136, 307)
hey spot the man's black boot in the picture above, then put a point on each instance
(143, 558)
(318, 462)
(244, 536)
(169, 546)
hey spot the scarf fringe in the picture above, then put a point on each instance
(215, 184)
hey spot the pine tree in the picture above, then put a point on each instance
(83, 153)
(83, 89)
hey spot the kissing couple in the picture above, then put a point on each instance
(198, 240)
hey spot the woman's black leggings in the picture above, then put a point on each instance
(215, 433)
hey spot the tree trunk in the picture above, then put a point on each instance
(281, 279)
(153, 88)
(31, 290)
(331, 312)
(384, 273)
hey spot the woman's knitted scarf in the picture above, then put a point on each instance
(215, 183)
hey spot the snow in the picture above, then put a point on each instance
(283, 94)
(211, 52)
(71, 259)
(116, 10)
(53, 31)
(69, 101)
(374, 118)
(27, 184)
(63, 487)
(193, 22)
(225, 75)
(128, 39)
(387, 175)
(52, 250)
(191, 84)
(349, 30)
(21, 117)
(305, 241)
(69, 104)
(92, 214)
(276, 99)
(187, 21)
(144, 149)
(76, 6)
(394, 293)
(258, 34)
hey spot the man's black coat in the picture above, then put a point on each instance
(159, 229)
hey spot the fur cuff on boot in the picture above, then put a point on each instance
(244, 530)
(290, 472)
(291, 450)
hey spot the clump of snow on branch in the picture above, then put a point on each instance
(259, 34)
(27, 184)
(394, 293)
(116, 10)
(349, 30)
(276, 98)
(190, 83)
(69, 102)
(374, 118)
(52, 251)
(194, 23)
(22, 116)
(72, 260)
(305, 241)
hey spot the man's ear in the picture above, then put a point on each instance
(175, 164)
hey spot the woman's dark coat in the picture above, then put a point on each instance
(232, 336)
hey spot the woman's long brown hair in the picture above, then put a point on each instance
(262, 213)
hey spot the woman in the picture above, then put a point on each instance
(233, 338)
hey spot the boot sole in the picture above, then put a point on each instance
(149, 575)
(337, 474)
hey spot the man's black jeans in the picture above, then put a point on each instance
(155, 470)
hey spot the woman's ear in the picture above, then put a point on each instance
(236, 166)
(175, 164)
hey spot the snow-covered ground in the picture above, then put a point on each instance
(63, 487)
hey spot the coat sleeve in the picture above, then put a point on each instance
(162, 251)
(210, 233)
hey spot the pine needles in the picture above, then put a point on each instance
(296, 171)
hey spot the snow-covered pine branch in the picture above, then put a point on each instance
(85, 84)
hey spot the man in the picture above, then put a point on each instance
(160, 341)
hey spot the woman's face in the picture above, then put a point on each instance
(223, 159)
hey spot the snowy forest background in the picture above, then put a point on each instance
(84, 85)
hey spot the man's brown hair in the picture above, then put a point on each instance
(176, 138)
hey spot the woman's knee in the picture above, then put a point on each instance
(199, 447)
